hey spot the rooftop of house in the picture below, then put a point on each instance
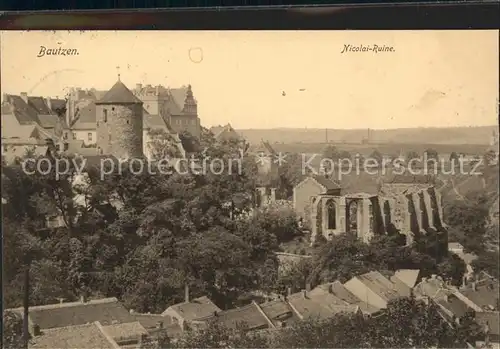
(379, 284)
(125, 331)
(19, 152)
(85, 336)
(429, 287)
(194, 309)
(28, 109)
(248, 317)
(449, 301)
(107, 311)
(338, 290)
(278, 311)
(151, 323)
(318, 304)
(408, 276)
(485, 294)
(490, 318)
(119, 94)
(328, 183)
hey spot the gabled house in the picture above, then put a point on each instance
(375, 289)
(318, 304)
(225, 134)
(450, 302)
(85, 336)
(156, 323)
(482, 295)
(107, 311)
(279, 313)
(249, 317)
(340, 291)
(310, 187)
(185, 312)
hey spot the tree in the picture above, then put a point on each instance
(190, 143)
(454, 157)
(12, 331)
(431, 154)
(489, 157)
(163, 145)
(488, 261)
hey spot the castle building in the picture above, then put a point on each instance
(177, 107)
(119, 124)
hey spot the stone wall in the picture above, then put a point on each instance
(121, 135)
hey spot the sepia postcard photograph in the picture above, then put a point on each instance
(250, 189)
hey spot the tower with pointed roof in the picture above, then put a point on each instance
(119, 116)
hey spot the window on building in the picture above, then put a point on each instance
(113, 108)
(89, 136)
(74, 135)
(332, 214)
(105, 115)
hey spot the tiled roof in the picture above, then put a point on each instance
(451, 303)
(278, 310)
(40, 105)
(327, 183)
(379, 284)
(408, 276)
(150, 321)
(86, 116)
(87, 336)
(57, 105)
(24, 113)
(119, 94)
(177, 103)
(485, 295)
(248, 315)
(311, 306)
(493, 320)
(344, 294)
(154, 121)
(428, 287)
(125, 331)
(106, 311)
(48, 120)
(197, 308)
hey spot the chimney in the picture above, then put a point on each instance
(138, 87)
(446, 298)
(433, 276)
(215, 314)
(159, 325)
(308, 287)
(289, 291)
(304, 294)
(83, 298)
(131, 311)
(48, 101)
(424, 280)
(36, 330)
(61, 300)
(186, 292)
(474, 286)
(24, 96)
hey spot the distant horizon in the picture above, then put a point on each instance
(361, 129)
(277, 79)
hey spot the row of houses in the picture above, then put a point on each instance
(106, 323)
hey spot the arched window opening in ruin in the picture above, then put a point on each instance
(387, 213)
(352, 216)
(371, 217)
(331, 214)
(423, 215)
(105, 115)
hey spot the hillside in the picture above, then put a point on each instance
(449, 135)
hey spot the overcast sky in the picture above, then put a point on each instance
(434, 78)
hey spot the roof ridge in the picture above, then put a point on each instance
(69, 304)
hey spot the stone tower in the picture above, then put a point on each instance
(119, 123)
